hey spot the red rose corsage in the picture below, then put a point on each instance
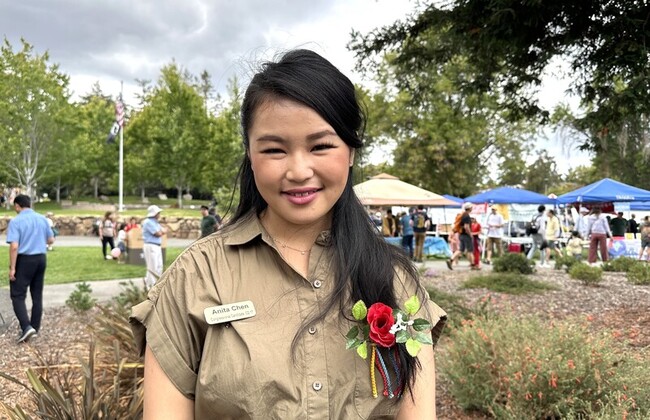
(382, 328)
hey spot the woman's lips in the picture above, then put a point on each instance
(301, 197)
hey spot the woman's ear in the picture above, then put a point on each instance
(351, 157)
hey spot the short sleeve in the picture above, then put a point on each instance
(171, 322)
(12, 232)
(429, 310)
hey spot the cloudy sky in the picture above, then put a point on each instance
(119, 40)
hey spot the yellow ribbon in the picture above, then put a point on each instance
(372, 372)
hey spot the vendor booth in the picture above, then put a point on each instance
(386, 190)
(612, 195)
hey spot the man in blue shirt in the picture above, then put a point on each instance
(28, 236)
(407, 231)
(152, 234)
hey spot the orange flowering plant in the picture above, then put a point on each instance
(383, 326)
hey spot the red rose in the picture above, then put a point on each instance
(380, 318)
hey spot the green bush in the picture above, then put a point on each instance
(80, 300)
(513, 262)
(512, 283)
(565, 262)
(622, 264)
(639, 274)
(520, 368)
(130, 296)
(587, 274)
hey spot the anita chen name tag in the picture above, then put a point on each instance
(229, 312)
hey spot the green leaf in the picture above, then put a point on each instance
(401, 336)
(353, 333)
(413, 347)
(421, 324)
(398, 311)
(365, 331)
(423, 338)
(359, 310)
(362, 350)
(412, 305)
(352, 343)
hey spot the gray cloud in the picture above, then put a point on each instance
(132, 39)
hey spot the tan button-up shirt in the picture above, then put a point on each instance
(246, 369)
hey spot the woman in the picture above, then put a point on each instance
(598, 234)
(476, 229)
(250, 322)
(107, 234)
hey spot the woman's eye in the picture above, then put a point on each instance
(271, 151)
(323, 146)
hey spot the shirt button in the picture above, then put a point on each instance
(312, 330)
(317, 386)
(317, 284)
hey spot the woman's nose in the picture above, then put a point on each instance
(300, 168)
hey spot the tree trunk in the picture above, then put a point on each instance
(179, 188)
(96, 187)
(142, 196)
(58, 190)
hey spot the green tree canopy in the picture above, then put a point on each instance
(509, 45)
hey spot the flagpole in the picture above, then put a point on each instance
(121, 170)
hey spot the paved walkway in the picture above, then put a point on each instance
(55, 295)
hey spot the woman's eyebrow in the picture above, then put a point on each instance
(320, 134)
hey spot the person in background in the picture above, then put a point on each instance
(618, 225)
(421, 223)
(494, 234)
(398, 223)
(388, 224)
(121, 242)
(645, 238)
(465, 237)
(152, 233)
(107, 233)
(406, 222)
(574, 246)
(538, 241)
(213, 213)
(476, 241)
(28, 235)
(553, 233)
(131, 225)
(632, 225)
(294, 259)
(582, 223)
(598, 233)
(55, 231)
(208, 222)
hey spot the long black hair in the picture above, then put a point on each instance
(365, 264)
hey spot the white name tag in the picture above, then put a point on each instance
(229, 312)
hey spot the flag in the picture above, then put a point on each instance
(119, 111)
(115, 129)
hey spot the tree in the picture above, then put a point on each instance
(176, 129)
(34, 112)
(445, 142)
(542, 174)
(511, 44)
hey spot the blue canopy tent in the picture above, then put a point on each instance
(604, 191)
(455, 199)
(510, 195)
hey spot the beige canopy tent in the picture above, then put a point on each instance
(387, 190)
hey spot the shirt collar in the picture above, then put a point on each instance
(249, 227)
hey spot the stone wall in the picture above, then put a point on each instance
(177, 227)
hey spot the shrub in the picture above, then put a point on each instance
(514, 262)
(130, 296)
(80, 300)
(565, 262)
(587, 274)
(622, 264)
(512, 283)
(106, 386)
(520, 368)
(639, 274)
(453, 305)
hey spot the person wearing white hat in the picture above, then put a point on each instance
(582, 223)
(152, 234)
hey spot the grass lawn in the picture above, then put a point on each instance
(71, 264)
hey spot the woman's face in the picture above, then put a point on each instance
(299, 163)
